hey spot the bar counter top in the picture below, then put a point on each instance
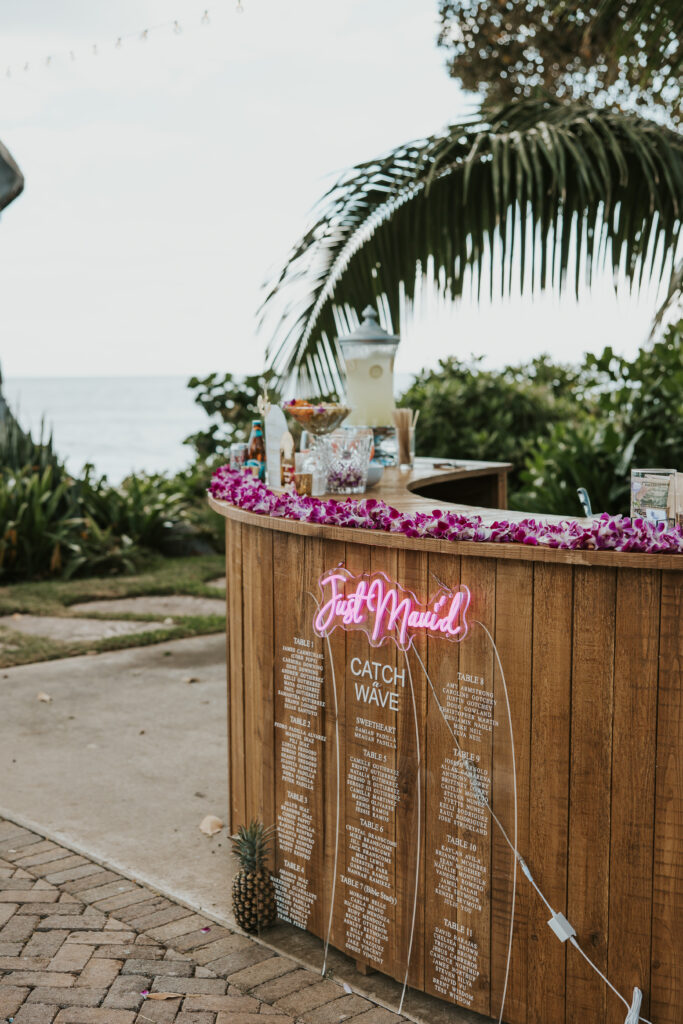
(422, 490)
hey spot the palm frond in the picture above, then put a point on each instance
(11, 178)
(550, 189)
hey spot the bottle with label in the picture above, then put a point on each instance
(256, 451)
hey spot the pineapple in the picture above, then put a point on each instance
(253, 892)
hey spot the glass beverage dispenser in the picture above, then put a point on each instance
(369, 362)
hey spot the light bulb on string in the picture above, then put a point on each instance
(205, 18)
(144, 34)
(119, 43)
(239, 9)
(176, 28)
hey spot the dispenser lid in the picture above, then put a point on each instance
(370, 330)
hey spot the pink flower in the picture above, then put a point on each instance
(606, 533)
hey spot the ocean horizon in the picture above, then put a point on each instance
(121, 425)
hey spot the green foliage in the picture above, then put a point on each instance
(231, 404)
(54, 525)
(561, 427)
(143, 507)
(472, 413)
(612, 51)
(544, 190)
(18, 449)
(634, 417)
(47, 530)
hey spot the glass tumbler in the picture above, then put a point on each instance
(350, 450)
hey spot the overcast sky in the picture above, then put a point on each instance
(166, 177)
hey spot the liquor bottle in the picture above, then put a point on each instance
(256, 451)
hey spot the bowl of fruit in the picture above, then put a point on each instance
(317, 418)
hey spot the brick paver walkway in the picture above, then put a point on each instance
(80, 944)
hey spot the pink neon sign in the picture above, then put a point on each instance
(385, 610)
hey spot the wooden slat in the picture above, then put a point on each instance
(476, 659)
(410, 853)
(317, 558)
(234, 614)
(257, 567)
(548, 786)
(396, 948)
(590, 785)
(666, 1003)
(299, 756)
(632, 801)
(357, 561)
(324, 556)
(514, 618)
(442, 664)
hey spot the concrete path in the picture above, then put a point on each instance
(126, 760)
(81, 945)
(56, 627)
(158, 606)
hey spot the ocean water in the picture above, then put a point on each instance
(121, 425)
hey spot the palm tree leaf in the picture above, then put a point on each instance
(568, 185)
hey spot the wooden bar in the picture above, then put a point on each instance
(382, 766)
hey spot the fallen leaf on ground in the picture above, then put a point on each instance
(191, 679)
(16, 615)
(211, 825)
(91, 652)
(164, 995)
(168, 622)
(44, 697)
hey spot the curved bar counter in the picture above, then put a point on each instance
(361, 755)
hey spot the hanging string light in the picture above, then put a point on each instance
(97, 49)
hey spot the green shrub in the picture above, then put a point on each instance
(231, 404)
(18, 449)
(470, 413)
(634, 417)
(561, 427)
(45, 530)
(143, 508)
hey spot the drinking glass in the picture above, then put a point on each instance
(350, 450)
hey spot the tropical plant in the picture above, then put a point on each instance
(231, 403)
(633, 415)
(45, 530)
(18, 449)
(507, 411)
(540, 192)
(143, 508)
(626, 51)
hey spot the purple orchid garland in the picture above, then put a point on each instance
(604, 533)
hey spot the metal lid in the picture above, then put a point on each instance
(370, 330)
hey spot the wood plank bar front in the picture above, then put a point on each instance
(591, 649)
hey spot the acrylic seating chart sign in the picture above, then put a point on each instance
(395, 786)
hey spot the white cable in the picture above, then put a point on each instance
(632, 1015)
(637, 994)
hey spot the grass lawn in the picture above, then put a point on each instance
(53, 597)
